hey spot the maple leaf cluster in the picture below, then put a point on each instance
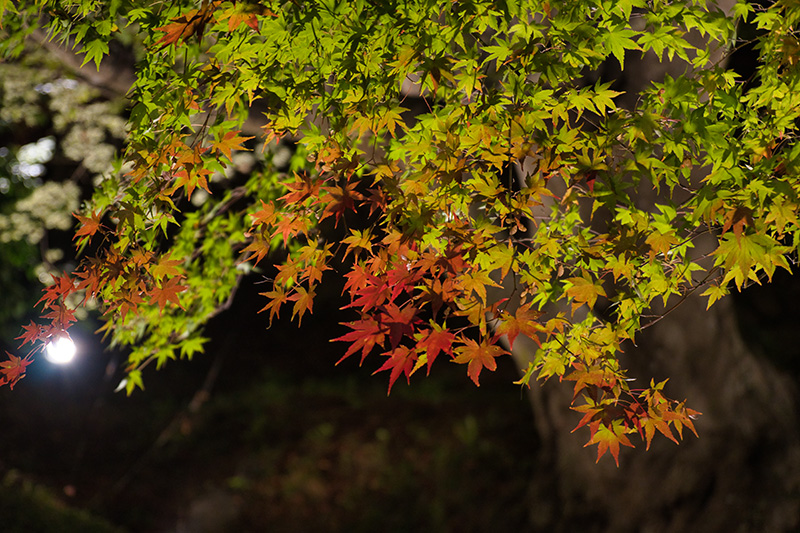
(454, 243)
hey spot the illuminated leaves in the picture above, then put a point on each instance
(609, 438)
(583, 291)
(448, 233)
(185, 26)
(524, 321)
(477, 356)
(400, 361)
(88, 226)
(167, 292)
(229, 142)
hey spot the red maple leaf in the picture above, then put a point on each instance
(13, 370)
(370, 296)
(181, 28)
(435, 341)
(61, 316)
(62, 287)
(33, 332)
(367, 333)
(400, 322)
(400, 361)
(358, 278)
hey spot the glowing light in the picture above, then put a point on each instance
(60, 351)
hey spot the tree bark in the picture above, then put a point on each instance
(742, 474)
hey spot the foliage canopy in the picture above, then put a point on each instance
(481, 181)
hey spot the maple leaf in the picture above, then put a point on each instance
(237, 19)
(583, 291)
(181, 28)
(358, 278)
(476, 281)
(590, 412)
(303, 301)
(654, 422)
(260, 248)
(375, 293)
(357, 242)
(478, 357)
(289, 227)
(608, 439)
(366, 334)
(244, 14)
(61, 316)
(165, 267)
(401, 361)
(167, 292)
(265, 216)
(524, 321)
(90, 276)
(89, 225)
(400, 322)
(339, 200)
(13, 370)
(435, 341)
(276, 297)
(62, 287)
(302, 188)
(191, 178)
(33, 332)
(229, 142)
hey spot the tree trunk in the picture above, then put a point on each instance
(742, 474)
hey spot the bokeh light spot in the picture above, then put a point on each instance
(60, 351)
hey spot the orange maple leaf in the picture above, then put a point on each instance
(608, 438)
(89, 225)
(229, 142)
(191, 178)
(303, 301)
(260, 248)
(478, 357)
(524, 321)
(181, 28)
(166, 267)
(277, 297)
(167, 292)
